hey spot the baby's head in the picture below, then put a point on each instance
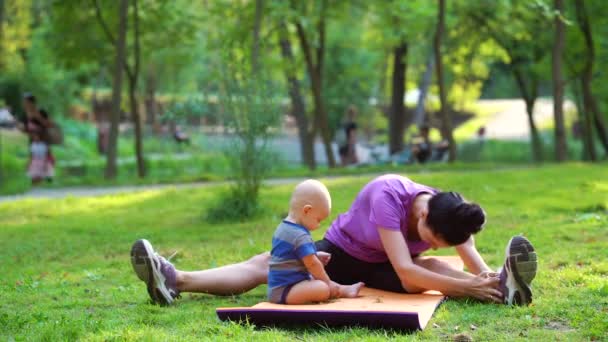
(310, 204)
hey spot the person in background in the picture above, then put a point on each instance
(424, 150)
(39, 167)
(346, 138)
(36, 125)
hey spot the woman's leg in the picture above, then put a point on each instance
(226, 280)
(164, 283)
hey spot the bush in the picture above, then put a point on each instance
(251, 114)
(234, 205)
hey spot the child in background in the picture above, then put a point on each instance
(297, 274)
(40, 166)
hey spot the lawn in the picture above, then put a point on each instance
(67, 275)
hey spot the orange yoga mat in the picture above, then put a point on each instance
(374, 308)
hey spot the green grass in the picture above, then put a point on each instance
(67, 276)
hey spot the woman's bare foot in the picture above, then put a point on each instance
(350, 291)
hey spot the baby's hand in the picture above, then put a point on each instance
(324, 257)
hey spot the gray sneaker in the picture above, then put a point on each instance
(518, 272)
(157, 272)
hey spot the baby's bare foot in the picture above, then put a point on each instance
(350, 291)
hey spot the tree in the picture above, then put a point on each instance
(110, 171)
(314, 54)
(396, 24)
(132, 73)
(561, 148)
(15, 34)
(397, 111)
(519, 30)
(590, 103)
(306, 137)
(446, 121)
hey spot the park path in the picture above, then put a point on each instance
(512, 121)
(85, 191)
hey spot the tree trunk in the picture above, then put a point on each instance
(561, 148)
(141, 167)
(307, 151)
(110, 171)
(419, 115)
(315, 72)
(446, 120)
(529, 97)
(133, 78)
(591, 107)
(397, 113)
(584, 114)
(537, 146)
(321, 119)
(255, 50)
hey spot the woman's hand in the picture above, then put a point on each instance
(485, 287)
(324, 257)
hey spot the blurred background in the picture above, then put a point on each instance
(99, 93)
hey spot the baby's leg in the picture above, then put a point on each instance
(308, 291)
(348, 291)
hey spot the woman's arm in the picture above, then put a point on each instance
(471, 257)
(413, 277)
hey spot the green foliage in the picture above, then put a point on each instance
(13, 162)
(351, 73)
(234, 205)
(68, 256)
(11, 92)
(251, 112)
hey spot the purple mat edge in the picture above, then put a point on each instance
(266, 317)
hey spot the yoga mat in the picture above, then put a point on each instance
(374, 308)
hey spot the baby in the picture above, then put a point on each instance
(297, 274)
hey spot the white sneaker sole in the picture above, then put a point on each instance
(156, 285)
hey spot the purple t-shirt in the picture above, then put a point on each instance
(384, 202)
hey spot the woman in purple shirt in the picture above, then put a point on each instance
(377, 241)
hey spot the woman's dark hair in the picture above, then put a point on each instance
(453, 218)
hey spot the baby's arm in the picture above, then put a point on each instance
(315, 268)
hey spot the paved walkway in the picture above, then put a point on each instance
(512, 122)
(43, 193)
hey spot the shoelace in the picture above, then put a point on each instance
(167, 258)
(173, 293)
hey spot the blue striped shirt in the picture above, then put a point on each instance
(290, 243)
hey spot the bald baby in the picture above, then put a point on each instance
(310, 204)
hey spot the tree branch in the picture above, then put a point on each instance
(103, 23)
(321, 28)
(305, 48)
(136, 34)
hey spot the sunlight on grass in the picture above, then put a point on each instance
(70, 258)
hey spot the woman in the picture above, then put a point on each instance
(347, 144)
(377, 241)
(36, 125)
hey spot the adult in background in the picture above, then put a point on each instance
(36, 125)
(346, 137)
(380, 241)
